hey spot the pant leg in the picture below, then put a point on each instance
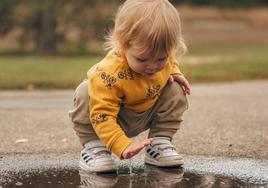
(133, 123)
(163, 119)
(80, 114)
(167, 116)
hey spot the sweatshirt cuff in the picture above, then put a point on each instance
(120, 145)
(177, 72)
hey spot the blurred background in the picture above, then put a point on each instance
(51, 44)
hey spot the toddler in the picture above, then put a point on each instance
(134, 88)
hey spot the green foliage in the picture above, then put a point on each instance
(40, 21)
(6, 7)
(46, 22)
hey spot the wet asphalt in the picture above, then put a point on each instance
(225, 130)
(249, 170)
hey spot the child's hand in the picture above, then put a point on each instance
(182, 80)
(135, 148)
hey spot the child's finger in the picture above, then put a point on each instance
(148, 141)
(171, 79)
(184, 90)
(140, 146)
(136, 148)
(188, 91)
(134, 152)
(187, 88)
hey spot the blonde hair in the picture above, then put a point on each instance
(151, 25)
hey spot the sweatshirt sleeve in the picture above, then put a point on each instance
(175, 66)
(105, 96)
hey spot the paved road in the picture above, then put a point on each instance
(229, 119)
(248, 170)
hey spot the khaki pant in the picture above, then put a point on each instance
(163, 119)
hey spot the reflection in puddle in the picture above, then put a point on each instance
(150, 176)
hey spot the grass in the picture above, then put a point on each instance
(231, 71)
(43, 72)
(227, 63)
(232, 62)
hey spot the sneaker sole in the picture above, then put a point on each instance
(103, 168)
(164, 164)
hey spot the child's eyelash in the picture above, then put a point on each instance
(162, 59)
(141, 60)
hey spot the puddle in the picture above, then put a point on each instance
(150, 176)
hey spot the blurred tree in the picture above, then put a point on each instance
(91, 17)
(35, 18)
(224, 3)
(50, 24)
(5, 16)
(45, 21)
(46, 24)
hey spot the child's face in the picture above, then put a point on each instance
(145, 65)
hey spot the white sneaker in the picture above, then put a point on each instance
(92, 180)
(96, 158)
(162, 153)
(163, 177)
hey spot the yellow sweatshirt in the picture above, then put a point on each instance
(111, 84)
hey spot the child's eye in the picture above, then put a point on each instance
(141, 60)
(162, 59)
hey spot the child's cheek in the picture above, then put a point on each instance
(162, 65)
(139, 68)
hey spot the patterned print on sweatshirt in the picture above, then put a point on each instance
(117, 53)
(153, 91)
(126, 74)
(108, 80)
(99, 118)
